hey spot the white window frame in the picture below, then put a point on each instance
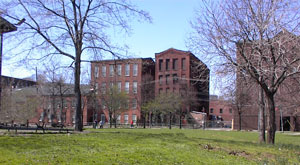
(119, 86)
(127, 70)
(96, 72)
(135, 69)
(103, 87)
(103, 70)
(127, 86)
(134, 118)
(134, 104)
(125, 119)
(134, 87)
(111, 70)
(119, 69)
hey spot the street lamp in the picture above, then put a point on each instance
(5, 27)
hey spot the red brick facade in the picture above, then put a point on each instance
(220, 108)
(127, 74)
(180, 71)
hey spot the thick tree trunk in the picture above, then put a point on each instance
(170, 120)
(78, 120)
(145, 120)
(180, 122)
(271, 120)
(240, 120)
(262, 126)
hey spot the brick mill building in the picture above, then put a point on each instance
(173, 71)
(143, 79)
(128, 75)
(182, 72)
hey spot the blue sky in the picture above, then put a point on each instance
(170, 28)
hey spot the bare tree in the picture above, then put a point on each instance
(70, 29)
(250, 36)
(115, 101)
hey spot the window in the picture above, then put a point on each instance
(119, 86)
(160, 90)
(183, 63)
(118, 119)
(183, 78)
(103, 88)
(102, 117)
(96, 73)
(125, 119)
(119, 70)
(167, 64)
(134, 87)
(127, 70)
(221, 110)
(167, 79)
(135, 69)
(42, 116)
(230, 110)
(160, 77)
(126, 106)
(175, 64)
(103, 71)
(175, 78)
(160, 63)
(127, 87)
(134, 103)
(211, 110)
(174, 90)
(103, 104)
(134, 119)
(111, 85)
(111, 70)
(168, 90)
(96, 88)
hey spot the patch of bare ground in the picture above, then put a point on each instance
(209, 147)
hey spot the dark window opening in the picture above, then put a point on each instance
(160, 64)
(167, 64)
(175, 63)
(183, 64)
(221, 110)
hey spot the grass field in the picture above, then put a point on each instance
(148, 146)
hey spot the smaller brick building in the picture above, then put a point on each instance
(220, 109)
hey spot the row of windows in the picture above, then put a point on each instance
(220, 111)
(125, 118)
(174, 64)
(118, 70)
(126, 106)
(119, 86)
(168, 79)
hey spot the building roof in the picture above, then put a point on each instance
(47, 90)
(5, 26)
(118, 60)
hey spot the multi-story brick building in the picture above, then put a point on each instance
(128, 75)
(182, 72)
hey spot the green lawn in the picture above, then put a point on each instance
(148, 146)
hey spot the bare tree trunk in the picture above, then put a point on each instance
(170, 120)
(271, 120)
(78, 120)
(145, 117)
(240, 120)
(262, 126)
(110, 120)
